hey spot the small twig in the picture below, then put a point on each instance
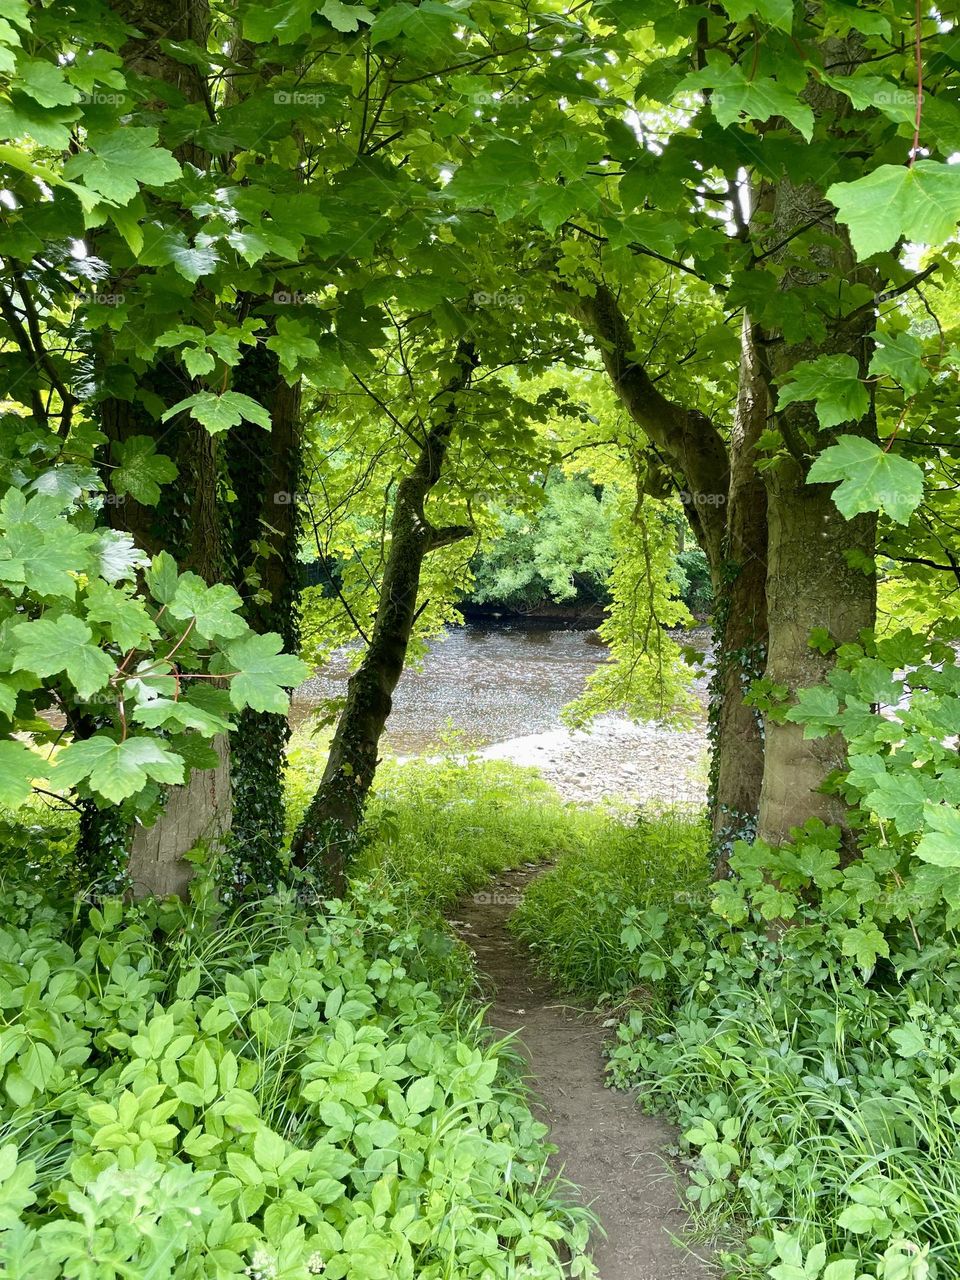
(918, 49)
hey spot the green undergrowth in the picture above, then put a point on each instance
(439, 829)
(819, 1100)
(279, 1094)
(575, 917)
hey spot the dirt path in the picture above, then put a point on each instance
(606, 1145)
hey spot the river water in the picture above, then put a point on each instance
(492, 683)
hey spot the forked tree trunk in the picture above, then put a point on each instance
(726, 506)
(326, 837)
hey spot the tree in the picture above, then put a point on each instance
(207, 224)
(732, 196)
(333, 816)
(444, 400)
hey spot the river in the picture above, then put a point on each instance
(504, 688)
(492, 683)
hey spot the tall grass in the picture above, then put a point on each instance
(573, 918)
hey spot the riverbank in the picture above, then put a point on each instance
(616, 760)
(498, 692)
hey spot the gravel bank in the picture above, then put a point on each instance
(639, 763)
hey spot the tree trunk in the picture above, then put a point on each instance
(725, 503)
(199, 812)
(809, 584)
(327, 835)
(740, 628)
(188, 523)
(196, 814)
(810, 581)
(264, 475)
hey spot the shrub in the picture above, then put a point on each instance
(275, 1095)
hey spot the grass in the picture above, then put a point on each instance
(443, 827)
(574, 917)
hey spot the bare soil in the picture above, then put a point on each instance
(612, 1152)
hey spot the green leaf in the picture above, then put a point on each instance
(220, 412)
(863, 944)
(46, 648)
(8, 697)
(941, 843)
(921, 203)
(909, 1040)
(900, 356)
(817, 709)
(501, 176)
(833, 382)
(181, 713)
(734, 96)
(116, 770)
(118, 557)
(390, 22)
(843, 1269)
(778, 13)
(419, 1095)
(130, 624)
(345, 17)
(269, 1149)
(40, 549)
(18, 768)
(162, 245)
(859, 1218)
(45, 83)
(263, 671)
(871, 479)
(115, 164)
(141, 470)
(162, 577)
(214, 607)
(292, 343)
(900, 798)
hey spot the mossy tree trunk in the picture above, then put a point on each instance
(725, 502)
(264, 468)
(188, 522)
(740, 627)
(327, 835)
